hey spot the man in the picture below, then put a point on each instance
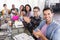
(14, 11)
(48, 29)
(13, 8)
(5, 11)
(32, 22)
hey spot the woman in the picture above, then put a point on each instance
(28, 10)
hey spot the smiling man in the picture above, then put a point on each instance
(48, 28)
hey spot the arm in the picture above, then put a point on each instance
(43, 37)
(39, 34)
(27, 23)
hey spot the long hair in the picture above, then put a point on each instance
(28, 6)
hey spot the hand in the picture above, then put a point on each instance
(27, 19)
(34, 33)
(38, 33)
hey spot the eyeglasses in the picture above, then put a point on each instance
(35, 11)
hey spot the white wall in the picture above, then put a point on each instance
(10, 2)
(52, 2)
(17, 3)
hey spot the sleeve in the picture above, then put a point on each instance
(37, 28)
(29, 26)
(40, 25)
(56, 35)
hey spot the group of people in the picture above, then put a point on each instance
(40, 28)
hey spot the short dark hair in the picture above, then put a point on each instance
(28, 6)
(37, 8)
(47, 8)
(4, 5)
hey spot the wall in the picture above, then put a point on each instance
(20, 2)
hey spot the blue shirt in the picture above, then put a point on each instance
(53, 30)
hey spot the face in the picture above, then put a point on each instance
(13, 6)
(10, 23)
(5, 6)
(47, 15)
(21, 7)
(22, 13)
(36, 12)
(27, 8)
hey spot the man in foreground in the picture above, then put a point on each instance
(48, 28)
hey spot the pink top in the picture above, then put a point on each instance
(44, 28)
(15, 17)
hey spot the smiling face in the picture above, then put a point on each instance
(36, 12)
(27, 8)
(47, 14)
(21, 7)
